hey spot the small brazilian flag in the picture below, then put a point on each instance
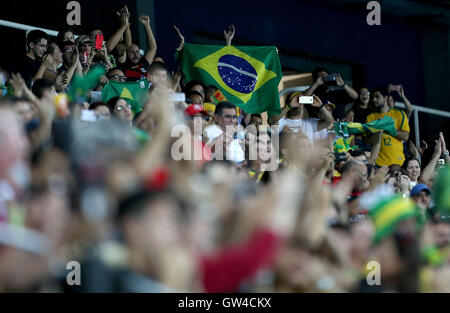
(247, 76)
(386, 124)
(136, 93)
(342, 144)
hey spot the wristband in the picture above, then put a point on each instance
(444, 155)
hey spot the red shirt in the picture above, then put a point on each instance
(228, 268)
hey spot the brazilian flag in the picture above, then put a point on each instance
(136, 93)
(343, 145)
(82, 84)
(386, 124)
(247, 76)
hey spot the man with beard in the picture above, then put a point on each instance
(136, 67)
(391, 149)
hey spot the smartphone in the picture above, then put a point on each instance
(178, 97)
(98, 41)
(394, 88)
(306, 99)
(330, 79)
(88, 116)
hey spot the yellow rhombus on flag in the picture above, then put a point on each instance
(212, 64)
(248, 76)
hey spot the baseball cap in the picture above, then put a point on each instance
(194, 109)
(84, 39)
(293, 95)
(418, 188)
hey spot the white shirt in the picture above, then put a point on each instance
(307, 125)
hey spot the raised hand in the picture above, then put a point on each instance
(180, 37)
(17, 83)
(339, 81)
(229, 34)
(379, 178)
(442, 141)
(47, 61)
(144, 19)
(423, 147)
(401, 92)
(316, 101)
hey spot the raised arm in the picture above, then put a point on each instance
(151, 42)
(427, 173)
(319, 82)
(408, 105)
(229, 35)
(349, 90)
(124, 16)
(180, 38)
(47, 61)
(376, 144)
(327, 120)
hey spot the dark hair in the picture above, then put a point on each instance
(112, 103)
(158, 66)
(256, 115)
(108, 73)
(50, 48)
(191, 93)
(193, 83)
(35, 36)
(97, 104)
(381, 89)
(40, 86)
(357, 153)
(316, 72)
(60, 37)
(223, 105)
(405, 164)
(293, 112)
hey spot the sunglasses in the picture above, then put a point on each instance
(123, 78)
(121, 107)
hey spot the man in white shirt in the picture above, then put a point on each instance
(313, 128)
(225, 133)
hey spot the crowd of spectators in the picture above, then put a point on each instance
(242, 205)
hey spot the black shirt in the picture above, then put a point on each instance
(135, 72)
(29, 68)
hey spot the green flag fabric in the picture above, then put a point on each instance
(82, 84)
(346, 129)
(343, 145)
(136, 93)
(247, 76)
(441, 190)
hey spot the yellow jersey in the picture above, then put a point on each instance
(391, 149)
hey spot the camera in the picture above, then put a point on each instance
(330, 80)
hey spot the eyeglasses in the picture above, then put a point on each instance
(366, 93)
(122, 78)
(230, 117)
(121, 107)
